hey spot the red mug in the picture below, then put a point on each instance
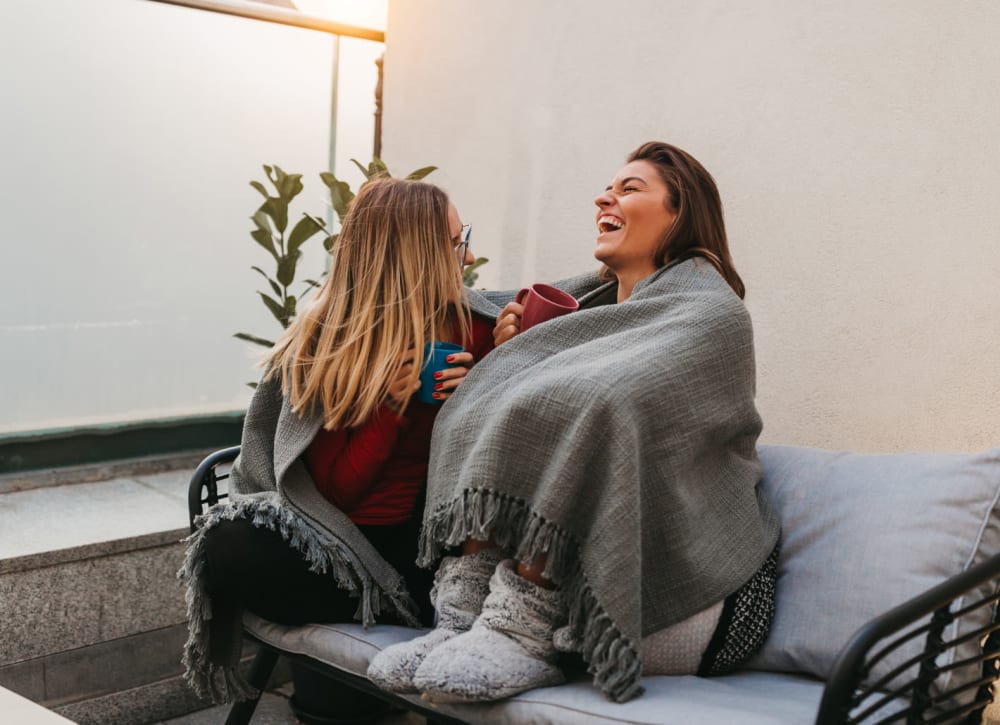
(543, 302)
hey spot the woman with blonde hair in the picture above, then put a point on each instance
(327, 492)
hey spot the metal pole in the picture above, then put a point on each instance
(331, 217)
(282, 16)
(377, 146)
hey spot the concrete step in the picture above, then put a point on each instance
(93, 618)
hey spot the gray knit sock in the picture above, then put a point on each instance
(508, 650)
(461, 584)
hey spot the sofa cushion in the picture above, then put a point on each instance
(749, 698)
(346, 647)
(862, 534)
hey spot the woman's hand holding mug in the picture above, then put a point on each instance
(449, 378)
(508, 323)
(400, 389)
(532, 306)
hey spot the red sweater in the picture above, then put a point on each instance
(375, 472)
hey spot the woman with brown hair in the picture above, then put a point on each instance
(606, 461)
(327, 491)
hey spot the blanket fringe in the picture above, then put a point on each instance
(224, 682)
(613, 659)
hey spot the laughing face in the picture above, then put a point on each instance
(632, 220)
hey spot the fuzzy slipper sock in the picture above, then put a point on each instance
(508, 650)
(460, 587)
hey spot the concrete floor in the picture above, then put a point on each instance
(273, 709)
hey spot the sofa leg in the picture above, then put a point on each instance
(260, 671)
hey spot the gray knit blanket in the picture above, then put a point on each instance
(618, 441)
(271, 487)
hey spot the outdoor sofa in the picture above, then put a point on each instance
(886, 607)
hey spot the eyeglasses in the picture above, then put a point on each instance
(462, 246)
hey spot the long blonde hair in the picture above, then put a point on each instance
(392, 282)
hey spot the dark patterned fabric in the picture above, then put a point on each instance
(744, 622)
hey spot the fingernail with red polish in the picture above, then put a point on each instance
(438, 375)
(435, 395)
(439, 386)
(450, 358)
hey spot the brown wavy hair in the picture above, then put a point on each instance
(699, 229)
(393, 285)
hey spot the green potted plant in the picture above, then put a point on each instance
(285, 246)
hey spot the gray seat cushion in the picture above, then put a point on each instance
(749, 698)
(864, 533)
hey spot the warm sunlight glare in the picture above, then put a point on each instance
(363, 13)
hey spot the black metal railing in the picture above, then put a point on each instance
(204, 487)
(913, 690)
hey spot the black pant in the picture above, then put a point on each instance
(253, 568)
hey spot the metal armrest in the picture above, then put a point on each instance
(203, 489)
(846, 700)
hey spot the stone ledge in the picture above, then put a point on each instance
(98, 669)
(83, 602)
(122, 511)
(106, 471)
(91, 551)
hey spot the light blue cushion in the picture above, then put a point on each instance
(748, 698)
(862, 534)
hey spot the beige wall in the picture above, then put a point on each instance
(856, 146)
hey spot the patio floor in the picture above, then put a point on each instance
(273, 709)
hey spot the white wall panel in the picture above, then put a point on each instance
(128, 135)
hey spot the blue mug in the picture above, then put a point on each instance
(435, 359)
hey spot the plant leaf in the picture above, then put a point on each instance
(263, 238)
(276, 178)
(260, 219)
(290, 186)
(290, 306)
(276, 308)
(340, 193)
(330, 241)
(377, 168)
(286, 268)
(274, 285)
(252, 385)
(364, 169)
(277, 209)
(420, 173)
(321, 223)
(259, 187)
(303, 230)
(312, 283)
(254, 339)
(469, 274)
